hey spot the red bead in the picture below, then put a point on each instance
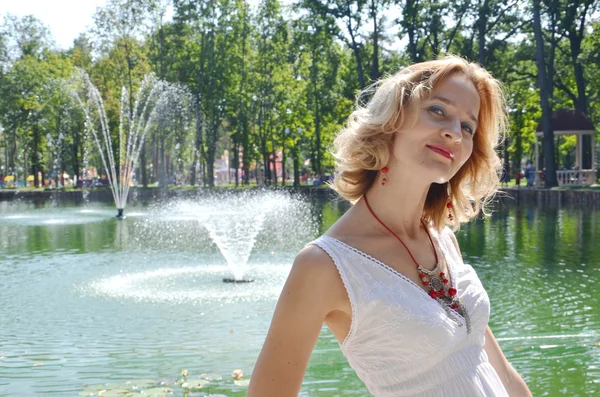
(426, 283)
(384, 169)
(422, 276)
(433, 294)
(452, 291)
(382, 183)
(454, 306)
(449, 205)
(445, 281)
(442, 274)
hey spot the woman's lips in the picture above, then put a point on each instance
(444, 151)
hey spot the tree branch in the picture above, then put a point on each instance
(582, 22)
(560, 84)
(493, 24)
(455, 30)
(514, 30)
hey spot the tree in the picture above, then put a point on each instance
(350, 15)
(543, 83)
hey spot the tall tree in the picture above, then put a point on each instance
(543, 83)
(350, 15)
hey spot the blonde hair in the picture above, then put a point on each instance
(364, 146)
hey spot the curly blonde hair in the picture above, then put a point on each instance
(364, 146)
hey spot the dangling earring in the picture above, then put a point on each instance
(449, 207)
(384, 170)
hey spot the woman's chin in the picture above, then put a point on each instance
(437, 175)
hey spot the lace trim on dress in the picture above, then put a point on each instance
(349, 291)
(453, 315)
(381, 264)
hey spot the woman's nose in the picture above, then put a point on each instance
(453, 130)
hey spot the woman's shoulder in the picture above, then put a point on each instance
(314, 260)
(315, 272)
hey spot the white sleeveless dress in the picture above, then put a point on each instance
(402, 342)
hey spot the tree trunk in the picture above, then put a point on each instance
(318, 138)
(35, 156)
(274, 174)
(375, 55)
(13, 152)
(355, 48)
(198, 146)
(143, 165)
(210, 157)
(410, 15)
(75, 152)
(481, 26)
(164, 168)
(283, 175)
(296, 166)
(549, 159)
(265, 154)
(246, 153)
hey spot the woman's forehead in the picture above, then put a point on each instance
(459, 91)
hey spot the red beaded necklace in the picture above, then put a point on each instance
(435, 280)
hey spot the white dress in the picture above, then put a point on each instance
(401, 341)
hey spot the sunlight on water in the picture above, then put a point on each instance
(202, 282)
(90, 300)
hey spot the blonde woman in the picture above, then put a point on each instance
(388, 277)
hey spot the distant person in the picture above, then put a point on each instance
(530, 174)
(388, 277)
(504, 177)
(518, 178)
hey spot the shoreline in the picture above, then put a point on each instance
(522, 195)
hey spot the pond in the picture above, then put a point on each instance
(89, 303)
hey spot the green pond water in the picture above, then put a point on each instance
(90, 303)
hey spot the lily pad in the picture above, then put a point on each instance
(241, 382)
(211, 376)
(141, 383)
(114, 386)
(92, 390)
(108, 390)
(194, 383)
(115, 393)
(157, 392)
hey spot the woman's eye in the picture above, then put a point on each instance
(437, 110)
(468, 128)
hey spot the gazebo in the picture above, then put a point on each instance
(572, 122)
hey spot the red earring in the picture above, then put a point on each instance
(449, 207)
(384, 170)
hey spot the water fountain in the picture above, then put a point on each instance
(134, 124)
(232, 222)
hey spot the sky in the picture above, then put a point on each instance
(65, 18)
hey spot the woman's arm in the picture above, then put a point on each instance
(512, 381)
(307, 298)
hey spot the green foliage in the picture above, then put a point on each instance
(271, 82)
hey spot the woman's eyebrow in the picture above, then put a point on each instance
(451, 103)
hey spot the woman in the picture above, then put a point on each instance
(388, 278)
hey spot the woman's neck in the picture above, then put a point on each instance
(399, 204)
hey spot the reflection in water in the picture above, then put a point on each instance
(95, 300)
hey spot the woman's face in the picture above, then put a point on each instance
(442, 139)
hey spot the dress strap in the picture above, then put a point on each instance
(330, 247)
